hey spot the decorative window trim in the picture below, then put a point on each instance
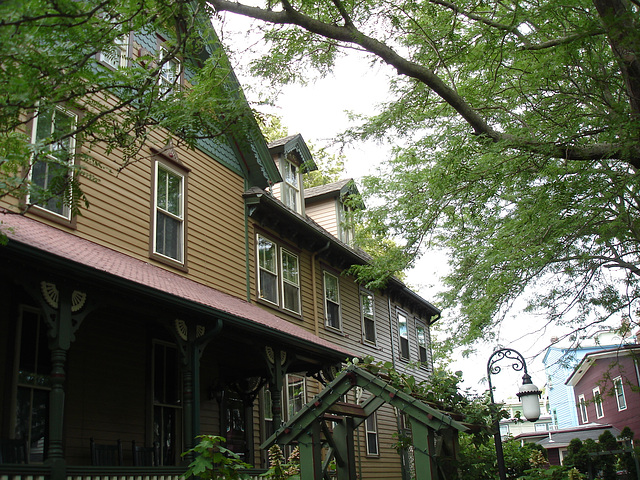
(366, 316)
(64, 217)
(582, 406)
(618, 386)
(161, 161)
(401, 337)
(335, 302)
(597, 401)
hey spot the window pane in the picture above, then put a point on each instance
(162, 188)
(268, 286)
(333, 314)
(331, 288)
(295, 394)
(291, 298)
(369, 330)
(267, 254)
(290, 268)
(174, 194)
(168, 236)
(402, 326)
(367, 304)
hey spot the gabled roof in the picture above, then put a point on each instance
(590, 358)
(45, 245)
(296, 144)
(339, 189)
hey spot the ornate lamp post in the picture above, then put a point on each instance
(528, 395)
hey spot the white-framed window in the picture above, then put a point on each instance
(268, 270)
(582, 404)
(422, 334)
(116, 56)
(291, 185)
(170, 71)
(296, 395)
(332, 301)
(371, 429)
(267, 413)
(367, 307)
(50, 176)
(403, 334)
(290, 281)
(168, 234)
(619, 391)
(597, 400)
(278, 275)
(346, 231)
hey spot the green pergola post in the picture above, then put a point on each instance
(310, 445)
(343, 438)
(423, 451)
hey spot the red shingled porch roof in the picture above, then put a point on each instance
(55, 242)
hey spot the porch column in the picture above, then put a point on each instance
(423, 451)
(277, 364)
(343, 438)
(64, 313)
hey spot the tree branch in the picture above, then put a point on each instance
(481, 128)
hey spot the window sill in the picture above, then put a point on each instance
(53, 217)
(169, 262)
(280, 310)
(335, 330)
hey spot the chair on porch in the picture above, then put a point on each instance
(13, 451)
(145, 456)
(106, 455)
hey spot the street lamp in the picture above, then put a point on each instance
(528, 395)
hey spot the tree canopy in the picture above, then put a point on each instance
(50, 55)
(516, 128)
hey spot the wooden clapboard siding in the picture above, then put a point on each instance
(324, 214)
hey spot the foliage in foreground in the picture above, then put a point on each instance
(48, 53)
(517, 135)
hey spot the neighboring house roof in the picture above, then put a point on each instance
(562, 438)
(590, 358)
(294, 143)
(338, 189)
(317, 238)
(39, 241)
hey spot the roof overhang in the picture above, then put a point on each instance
(590, 358)
(294, 144)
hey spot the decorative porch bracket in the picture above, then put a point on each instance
(306, 429)
(278, 362)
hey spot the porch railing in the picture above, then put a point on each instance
(43, 472)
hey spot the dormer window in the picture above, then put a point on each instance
(291, 185)
(346, 232)
(169, 79)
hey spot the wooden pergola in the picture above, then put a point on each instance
(308, 429)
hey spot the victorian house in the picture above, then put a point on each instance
(202, 292)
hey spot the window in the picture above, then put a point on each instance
(346, 231)
(51, 176)
(269, 269)
(597, 400)
(542, 427)
(423, 342)
(403, 332)
(619, 390)
(367, 305)
(291, 185)
(169, 79)
(267, 412)
(116, 55)
(583, 408)
(169, 213)
(290, 281)
(295, 395)
(33, 384)
(167, 401)
(371, 429)
(332, 300)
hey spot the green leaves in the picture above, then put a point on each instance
(213, 461)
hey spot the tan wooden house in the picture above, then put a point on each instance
(198, 294)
